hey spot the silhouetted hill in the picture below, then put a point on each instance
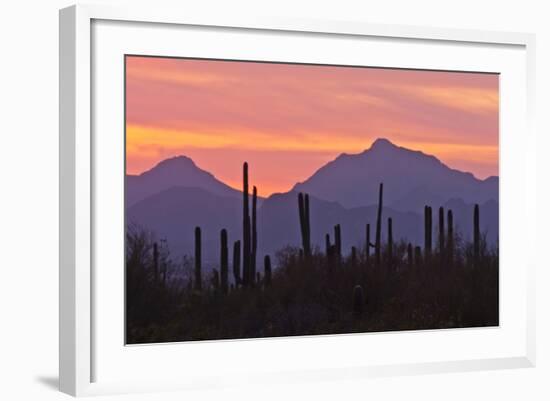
(176, 171)
(411, 179)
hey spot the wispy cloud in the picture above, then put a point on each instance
(204, 107)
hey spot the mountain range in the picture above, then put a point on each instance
(176, 195)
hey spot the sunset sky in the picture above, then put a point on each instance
(288, 120)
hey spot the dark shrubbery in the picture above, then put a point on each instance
(306, 292)
(314, 296)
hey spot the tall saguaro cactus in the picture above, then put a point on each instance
(224, 262)
(246, 229)
(427, 232)
(338, 242)
(450, 236)
(303, 209)
(198, 262)
(441, 236)
(237, 263)
(254, 233)
(476, 234)
(307, 224)
(378, 243)
(267, 271)
(327, 244)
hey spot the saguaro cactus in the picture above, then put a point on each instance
(450, 236)
(246, 229)
(441, 236)
(390, 241)
(367, 246)
(303, 209)
(155, 262)
(267, 271)
(254, 233)
(476, 234)
(338, 242)
(427, 231)
(198, 264)
(307, 224)
(358, 300)
(378, 243)
(237, 262)
(224, 262)
(327, 244)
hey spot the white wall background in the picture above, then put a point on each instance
(29, 196)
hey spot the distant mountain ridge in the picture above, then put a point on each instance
(174, 172)
(352, 180)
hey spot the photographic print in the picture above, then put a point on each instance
(269, 199)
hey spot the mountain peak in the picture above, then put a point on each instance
(176, 161)
(382, 143)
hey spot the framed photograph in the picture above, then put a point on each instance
(237, 191)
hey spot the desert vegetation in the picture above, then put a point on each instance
(382, 284)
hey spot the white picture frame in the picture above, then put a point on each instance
(78, 165)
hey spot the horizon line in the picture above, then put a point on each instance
(237, 188)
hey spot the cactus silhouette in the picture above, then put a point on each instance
(307, 225)
(338, 242)
(450, 237)
(224, 262)
(378, 243)
(367, 246)
(155, 262)
(303, 209)
(237, 263)
(267, 271)
(198, 264)
(246, 229)
(441, 235)
(390, 241)
(327, 245)
(476, 234)
(358, 300)
(353, 256)
(427, 232)
(254, 233)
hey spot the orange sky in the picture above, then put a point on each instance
(288, 120)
